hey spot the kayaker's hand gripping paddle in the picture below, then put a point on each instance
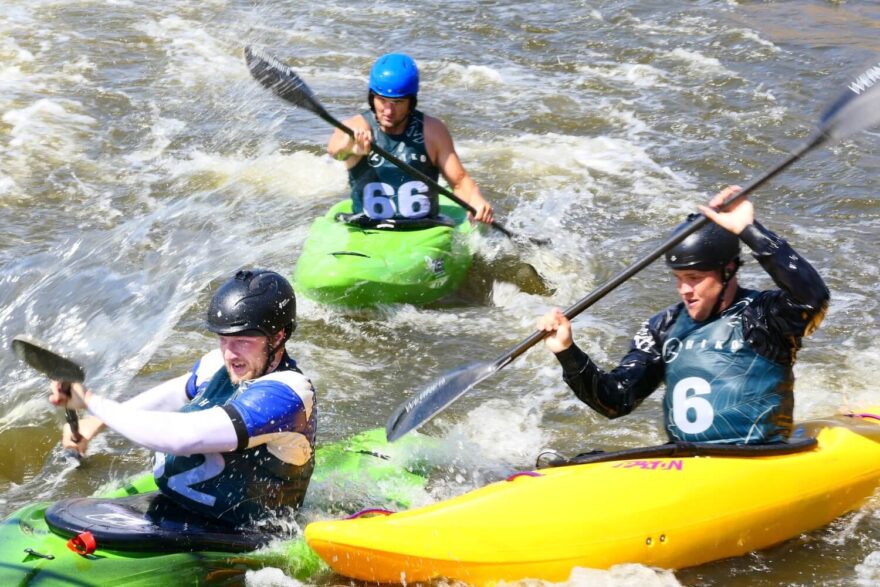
(58, 368)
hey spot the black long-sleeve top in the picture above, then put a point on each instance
(773, 324)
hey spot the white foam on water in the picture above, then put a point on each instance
(53, 128)
(844, 528)
(868, 571)
(504, 430)
(556, 160)
(754, 36)
(300, 175)
(7, 186)
(699, 64)
(33, 409)
(467, 76)
(162, 132)
(639, 75)
(198, 57)
(627, 575)
(270, 577)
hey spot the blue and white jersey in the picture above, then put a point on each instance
(274, 417)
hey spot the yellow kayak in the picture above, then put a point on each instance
(669, 512)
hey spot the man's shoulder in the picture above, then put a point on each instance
(208, 365)
(432, 122)
(296, 381)
(285, 389)
(436, 133)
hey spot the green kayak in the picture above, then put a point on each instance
(129, 551)
(354, 265)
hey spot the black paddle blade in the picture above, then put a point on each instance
(281, 79)
(857, 109)
(433, 399)
(37, 355)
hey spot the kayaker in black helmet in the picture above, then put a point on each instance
(234, 437)
(381, 190)
(724, 352)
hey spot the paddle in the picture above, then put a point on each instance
(285, 83)
(858, 108)
(37, 355)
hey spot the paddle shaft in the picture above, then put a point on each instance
(71, 415)
(73, 421)
(603, 290)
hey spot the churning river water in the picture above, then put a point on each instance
(140, 165)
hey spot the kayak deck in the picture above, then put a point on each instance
(664, 512)
(349, 265)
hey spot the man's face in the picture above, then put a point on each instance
(245, 357)
(699, 290)
(391, 113)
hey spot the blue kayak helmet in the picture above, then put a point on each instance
(394, 75)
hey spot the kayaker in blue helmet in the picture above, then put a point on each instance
(381, 190)
(724, 352)
(234, 437)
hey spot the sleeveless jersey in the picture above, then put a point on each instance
(718, 389)
(275, 420)
(380, 189)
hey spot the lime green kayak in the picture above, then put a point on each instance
(34, 551)
(350, 265)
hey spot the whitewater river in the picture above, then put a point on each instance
(141, 165)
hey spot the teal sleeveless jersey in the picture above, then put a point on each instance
(239, 487)
(380, 189)
(718, 389)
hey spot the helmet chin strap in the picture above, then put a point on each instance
(726, 276)
(271, 351)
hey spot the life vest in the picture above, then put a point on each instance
(718, 388)
(380, 189)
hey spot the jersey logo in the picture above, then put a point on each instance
(416, 133)
(671, 350)
(374, 159)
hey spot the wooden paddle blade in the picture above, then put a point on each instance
(433, 399)
(280, 78)
(37, 355)
(857, 109)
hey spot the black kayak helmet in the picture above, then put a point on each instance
(254, 300)
(711, 247)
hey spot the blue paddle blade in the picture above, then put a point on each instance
(433, 399)
(857, 109)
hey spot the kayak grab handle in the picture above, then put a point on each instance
(368, 512)
(83, 543)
